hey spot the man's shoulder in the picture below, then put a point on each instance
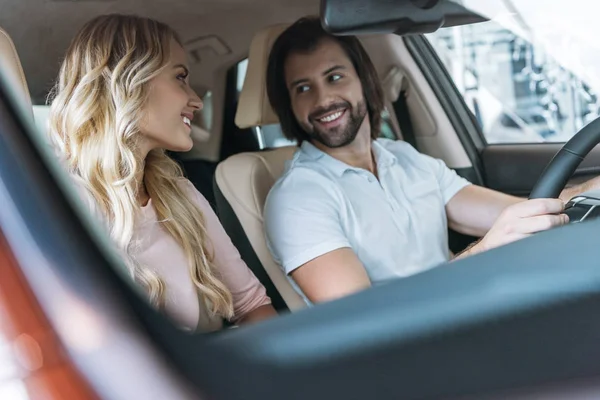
(301, 186)
(302, 179)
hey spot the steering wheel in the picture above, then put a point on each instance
(563, 165)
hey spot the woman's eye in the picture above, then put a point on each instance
(335, 77)
(182, 77)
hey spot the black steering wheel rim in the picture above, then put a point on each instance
(563, 165)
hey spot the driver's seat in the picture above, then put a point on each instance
(243, 181)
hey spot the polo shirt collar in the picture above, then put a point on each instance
(382, 156)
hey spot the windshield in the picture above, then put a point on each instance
(528, 74)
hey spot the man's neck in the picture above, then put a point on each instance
(357, 154)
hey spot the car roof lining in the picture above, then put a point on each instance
(206, 27)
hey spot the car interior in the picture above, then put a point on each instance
(243, 181)
(479, 328)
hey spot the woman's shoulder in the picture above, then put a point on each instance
(187, 186)
(191, 192)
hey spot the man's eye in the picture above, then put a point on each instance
(302, 88)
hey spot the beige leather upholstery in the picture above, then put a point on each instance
(10, 67)
(245, 180)
(253, 106)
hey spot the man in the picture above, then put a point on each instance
(352, 210)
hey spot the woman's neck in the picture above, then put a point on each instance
(142, 194)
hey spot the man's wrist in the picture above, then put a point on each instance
(570, 192)
(567, 194)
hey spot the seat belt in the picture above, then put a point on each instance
(396, 90)
(404, 121)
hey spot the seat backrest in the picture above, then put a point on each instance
(243, 181)
(242, 184)
(10, 67)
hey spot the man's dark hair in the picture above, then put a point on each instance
(304, 36)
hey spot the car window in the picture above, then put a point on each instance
(270, 136)
(40, 116)
(517, 91)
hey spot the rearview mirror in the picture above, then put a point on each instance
(353, 17)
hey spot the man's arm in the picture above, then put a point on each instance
(573, 191)
(500, 219)
(333, 275)
(474, 209)
(520, 221)
(305, 235)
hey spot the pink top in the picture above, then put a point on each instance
(154, 248)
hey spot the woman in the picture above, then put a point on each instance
(121, 100)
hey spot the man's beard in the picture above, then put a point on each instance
(342, 135)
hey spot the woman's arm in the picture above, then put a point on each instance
(250, 300)
(258, 314)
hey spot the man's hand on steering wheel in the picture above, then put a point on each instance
(519, 221)
(524, 219)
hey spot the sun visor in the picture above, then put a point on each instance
(402, 17)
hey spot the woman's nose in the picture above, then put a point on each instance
(195, 101)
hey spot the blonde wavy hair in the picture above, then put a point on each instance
(94, 124)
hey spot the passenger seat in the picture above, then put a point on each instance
(243, 181)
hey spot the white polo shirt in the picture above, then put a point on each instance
(396, 225)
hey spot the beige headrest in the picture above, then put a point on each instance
(253, 107)
(10, 65)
